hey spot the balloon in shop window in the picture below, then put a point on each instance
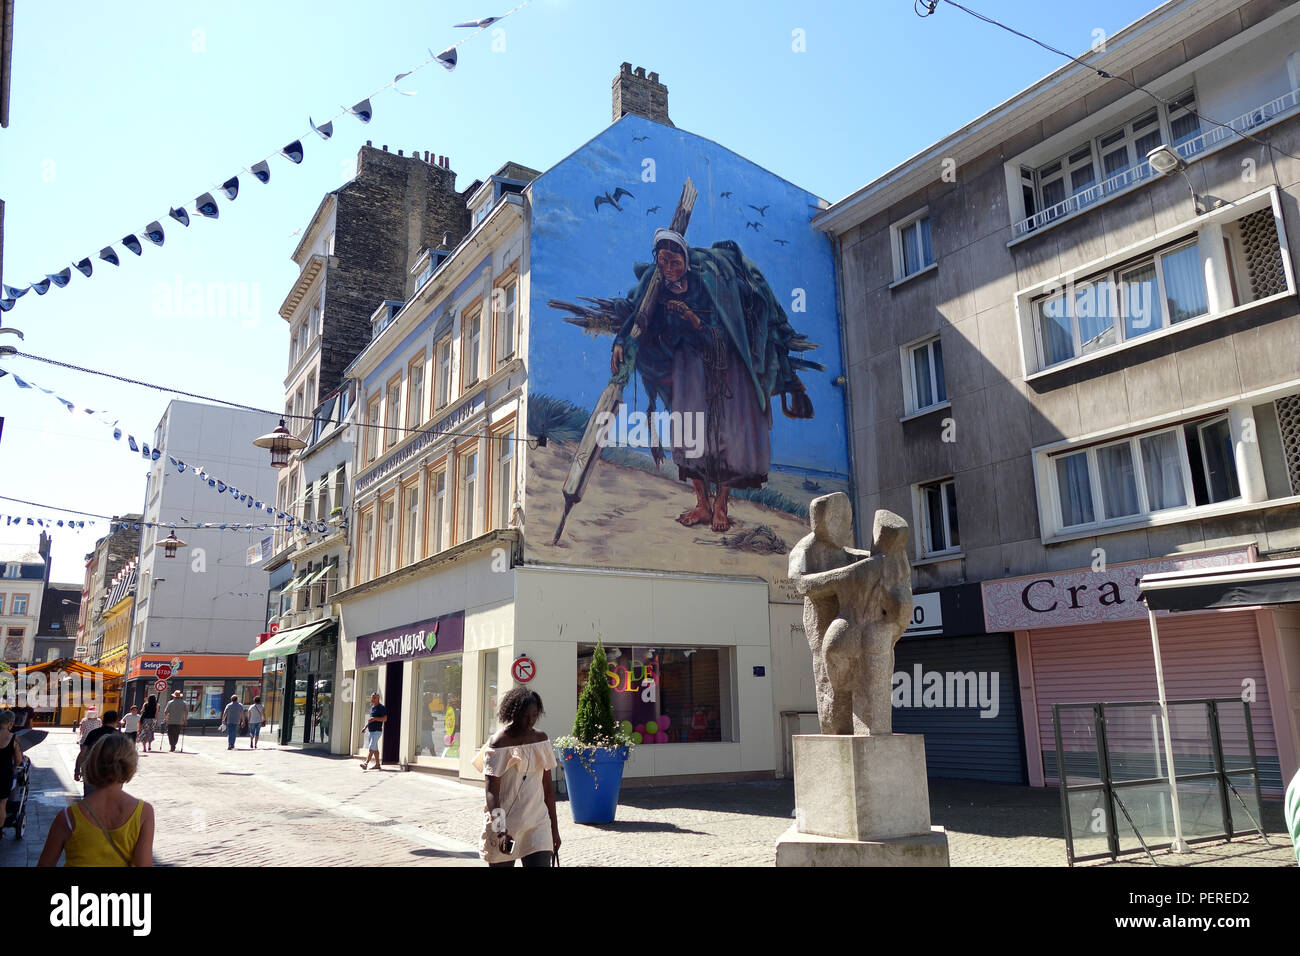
(651, 727)
(636, 737)
(626, 726)
(661, 738)
(664, 721)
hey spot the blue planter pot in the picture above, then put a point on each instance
(593, 779)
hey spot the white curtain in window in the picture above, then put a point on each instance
(1074, 491)
(1054, 329)
(1118, 481)
(1141, 301)
(1162, 469)
(1184, 284)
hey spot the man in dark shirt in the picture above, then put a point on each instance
(109, 727)
(375, 730)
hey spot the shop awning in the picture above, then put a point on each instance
(69, 666)
(296, 583)
(312, 579)
(287, 642)
(1240, 585)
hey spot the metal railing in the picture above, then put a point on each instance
(1189, 149)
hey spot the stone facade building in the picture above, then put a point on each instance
(1067, 370)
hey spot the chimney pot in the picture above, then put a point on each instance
(369, 143)
(639, 71)
(399, 152)
(385, 147)
(426, 155)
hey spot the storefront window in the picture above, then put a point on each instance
(668, 695)
(273, 694)
(367, 684)
(438, 720)
(488, 696)
(247, 690)
(205, 701)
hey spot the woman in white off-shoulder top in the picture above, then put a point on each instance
(517, 762)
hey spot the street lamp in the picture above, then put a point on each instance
(169, 545)
(10, 349)
(1165, 161)
(281, 443)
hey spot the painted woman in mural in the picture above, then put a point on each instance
(716, 350)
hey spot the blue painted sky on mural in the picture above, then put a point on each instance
(119, 110)
(580, 250)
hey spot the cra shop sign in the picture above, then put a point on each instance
(1087, 596)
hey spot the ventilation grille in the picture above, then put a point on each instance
(1262, 253)
(1288, 421)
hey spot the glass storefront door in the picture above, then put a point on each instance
(487, 696)
(367, 684)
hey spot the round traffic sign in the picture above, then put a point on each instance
(524, 669)
(164, 671)
(160, 685)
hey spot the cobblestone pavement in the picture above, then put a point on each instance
(274, 807)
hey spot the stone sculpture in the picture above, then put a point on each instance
(856, 606)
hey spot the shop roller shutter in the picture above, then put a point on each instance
(1205, 655)
(958, 741)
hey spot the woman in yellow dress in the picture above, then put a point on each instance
(110, 827)
(517, 762)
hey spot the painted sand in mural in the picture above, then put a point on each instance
(696, 437)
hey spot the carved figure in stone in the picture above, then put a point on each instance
(856, 606)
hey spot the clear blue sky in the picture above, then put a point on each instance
(119, 111)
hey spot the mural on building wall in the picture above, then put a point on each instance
(683, 350)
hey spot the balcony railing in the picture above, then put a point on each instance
(1190, 149)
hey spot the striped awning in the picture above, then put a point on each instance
(287, 642)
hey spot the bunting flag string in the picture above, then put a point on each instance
(205, 204)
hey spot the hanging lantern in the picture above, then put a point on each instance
(169, 545)
(281, 443)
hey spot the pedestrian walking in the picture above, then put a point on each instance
(148, 719)
(516, 763)
(88, 723)
(109, 827)
(131, 723)
(256, 717)
(375, 730)
(108, 727)
(175, 716)
(232, 719)
(11, 758)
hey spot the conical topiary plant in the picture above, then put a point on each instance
(594, 723)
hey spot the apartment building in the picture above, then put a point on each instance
(1071, 328)
(111, 553)
(492, 546)
(22, 586)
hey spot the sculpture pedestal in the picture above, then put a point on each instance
(861, 801)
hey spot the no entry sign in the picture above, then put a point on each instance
(164, 671)
(524, 669)
(160, 685)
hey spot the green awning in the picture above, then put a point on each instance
(287, 642)
(318, 575)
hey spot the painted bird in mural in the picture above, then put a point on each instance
(761, 210)
(726, 195)
(619, 193)
(652, 209)
(639, 139)
(754, 225)
(783, 242)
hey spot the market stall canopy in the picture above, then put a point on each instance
(287, 642)
(1241, 585)
(69, 666)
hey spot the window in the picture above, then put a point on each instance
(332, 579)
(365, 562)
(444, 372)
(310, 400)
(438, 721)
(471, 352)
(415, 394)
(1127, 147)
(1141, 297)
(912, 251)
(467, 526)
(2, 603)
(340, 487)
(505, 316)
(372, 429)
(387, 535)
(11, 570)
(438, 511)
(938, 508)
(684, 693)
(1184, 124)
(16, 631)
(1066, 177)
(1173, 467)
(411, 523)
(317, 322)
(323, 497)
(503, 482)
(923, 373)
(19, 605)
(393, 413)
(308, 505)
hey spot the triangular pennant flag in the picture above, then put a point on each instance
(212, 482)
(447, 58)
(180, 215)
(157, 453)
(221, 487)
(154, 232)
(324, 130)
(61, 278)
(207, 206)
(262, 172)
(13, 293)
(117, 434)
(7, 304)
(66, 404)
(362, 111)
(144, 449)
(181, 465)
(480, 22)
(60, 524)
(132, 243)
(250, 502)
(231, 187)
(41, 287)
(84, 267)
(257, 504)
(19, 382)
(293, 152)
(130, 440)
(109, 256)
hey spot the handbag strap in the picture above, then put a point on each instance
(108, 836)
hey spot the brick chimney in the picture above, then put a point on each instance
(639, 94)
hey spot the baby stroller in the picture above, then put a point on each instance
(16, 814)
